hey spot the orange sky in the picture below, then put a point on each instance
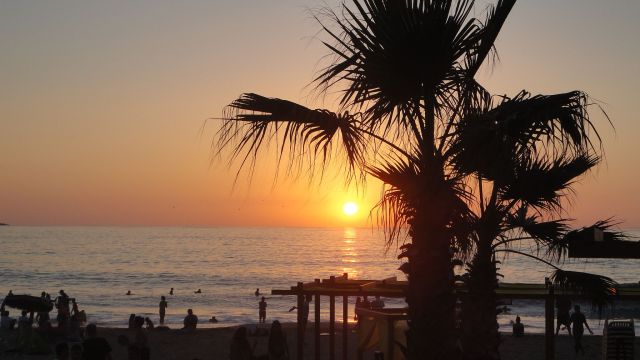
(102, 106)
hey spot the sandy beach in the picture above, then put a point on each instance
(214, 344)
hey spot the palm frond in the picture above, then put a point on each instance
(496, 17)
(599, 289)
(390, 54)
(540, 183)
(253, 121)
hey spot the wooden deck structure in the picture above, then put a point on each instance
(344, 287)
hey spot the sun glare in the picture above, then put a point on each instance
(350, 208)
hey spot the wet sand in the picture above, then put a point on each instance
(214, 344)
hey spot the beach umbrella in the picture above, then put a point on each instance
(28, 303)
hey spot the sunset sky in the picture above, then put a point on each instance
(103, 106)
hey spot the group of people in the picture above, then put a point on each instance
(92, 347)
(277, 348)
(574, 322)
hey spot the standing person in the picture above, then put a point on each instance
(278, 348)
(95, 347)
(577, 320)
(257, 293)
(357, 306)
(240, 348)
(163, 307)
(563, 305)
(518, 328)
(262, 310)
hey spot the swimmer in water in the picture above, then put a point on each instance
(213, 319)
(129, 292)
(171, 292)
(257, 293)
(198, 292)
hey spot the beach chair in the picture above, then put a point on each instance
(618, 340)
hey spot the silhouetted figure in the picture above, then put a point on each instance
(213, 319)
(149, 323)
(198, 291)
(563, 306)
(128, 292)
(278, 348)
(577, 321)
(95, 347)
(357, 306)
(518, 328)
(190, 321)
(7, 323)
(140, 343)
(257, 293)
(171, 291)
(132, 320)
(162, 307)
(262, 310)
(240, 348)
(62, 351)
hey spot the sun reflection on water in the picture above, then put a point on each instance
(350, 253)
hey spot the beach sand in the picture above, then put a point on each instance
(207, 344)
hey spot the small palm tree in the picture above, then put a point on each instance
(407, 70)
(527, 151)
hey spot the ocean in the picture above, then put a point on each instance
(98, 265)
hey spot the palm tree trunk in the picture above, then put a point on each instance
(480, 338)
(430, 295)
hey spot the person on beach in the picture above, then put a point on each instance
(518, 328)
(95, 347)
(278, 348)
(262, 310)
(563, 306)
(257, 293)
(141, 342)
(578, 320)
(7, 323)
(148, 323)
(190, 321)
(132, 321)
(240, 348)
(162, 308)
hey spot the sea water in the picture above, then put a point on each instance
(99, 265)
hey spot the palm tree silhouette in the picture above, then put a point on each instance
(407, 74)
(527, 152)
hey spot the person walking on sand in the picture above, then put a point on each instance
(578, 320)
(262, 310)
(162, 308)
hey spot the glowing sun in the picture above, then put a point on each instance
(350, 208)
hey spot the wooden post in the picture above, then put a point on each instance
(549, 348)
(316, 304)
(332, 327)
(300, 337)
(345, 325)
